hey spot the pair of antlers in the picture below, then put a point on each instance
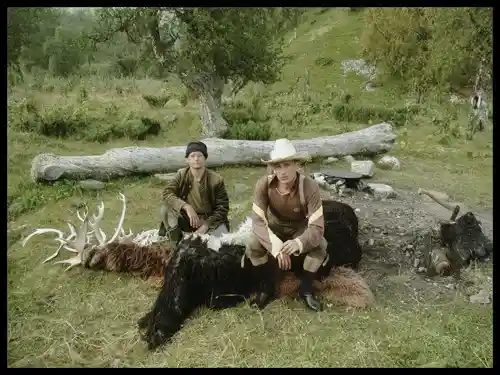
(77, 240)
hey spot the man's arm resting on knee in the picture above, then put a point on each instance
(313, 235)
(219, 215)
(266, 237)
(169, 194)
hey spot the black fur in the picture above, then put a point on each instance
(197, 276)
(466, 239)
(341, 233)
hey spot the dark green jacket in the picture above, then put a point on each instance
(177, 190)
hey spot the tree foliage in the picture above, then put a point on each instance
(429, 47)
(27, 28)
(52, 39)
(239, 44)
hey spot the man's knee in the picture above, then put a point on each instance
(256, 252)
(323, 244)
(169, 218)
(217, 232)
(316, 257)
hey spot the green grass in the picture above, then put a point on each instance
(87, 318)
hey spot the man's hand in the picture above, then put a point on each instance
(284, 261)
(203, 228)
(290, 247)
(194, 220)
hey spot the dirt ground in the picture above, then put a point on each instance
(389, 230)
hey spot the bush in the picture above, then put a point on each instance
(398, 116)
(247, 121)
(250, 131)
(80, 123)
(421, 46)
(323, 61)
(125, 67)
(156, 101)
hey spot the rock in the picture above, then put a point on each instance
(170, 120)
(363, 167)
(483, 297)
(330, 160)
(165, 176)
(348, 158)
(92, 184)
(389, 162)
(369, 87)
(382, 191)
(348, 192)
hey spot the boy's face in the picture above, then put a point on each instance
(196, 160)
(286, 171)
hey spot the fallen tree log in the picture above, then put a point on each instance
(120, 162)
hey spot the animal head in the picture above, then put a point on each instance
(79, 241)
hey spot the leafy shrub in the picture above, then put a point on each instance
(125, 67)
(421, 46)
(247, 121)
(80, 123)
(398, 116)
(250, 131)
(323, 61)
(156, 101)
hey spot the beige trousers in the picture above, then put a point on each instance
(172, 220)
(259, 255)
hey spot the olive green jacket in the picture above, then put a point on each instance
(177, 190)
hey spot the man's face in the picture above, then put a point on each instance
(196, 160)
(286, 171)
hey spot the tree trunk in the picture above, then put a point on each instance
(213, 124)
(126, 161)
(209, 88)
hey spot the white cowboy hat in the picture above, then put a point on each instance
(285, 151)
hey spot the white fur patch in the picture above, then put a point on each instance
(240, 237)
(148, 237)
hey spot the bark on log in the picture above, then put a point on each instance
(120, 162)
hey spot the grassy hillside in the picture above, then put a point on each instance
(84, 318)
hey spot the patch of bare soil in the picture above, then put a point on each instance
(395, 235)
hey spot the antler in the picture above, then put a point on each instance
(79, 245)
(122, 218)
(98, 232)
(82, 236)
(124, 236)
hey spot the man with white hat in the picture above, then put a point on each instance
(287, 216)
